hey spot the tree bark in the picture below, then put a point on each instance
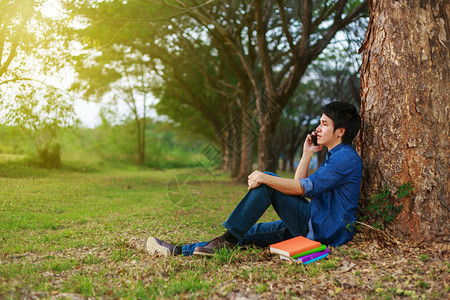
(267, 157)
(235, 158)
(248, 136)
(405, 112)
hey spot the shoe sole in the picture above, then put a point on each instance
(201, 253)
(154, 248)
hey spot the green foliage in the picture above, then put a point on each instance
(14, 141)
(116, 145)
(85, 149)
(382, 209)
(25, 32)
(31, 54)
(39, 112)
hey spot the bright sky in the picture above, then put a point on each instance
(88, 113)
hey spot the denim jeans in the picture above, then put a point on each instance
(294, 212)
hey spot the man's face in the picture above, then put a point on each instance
(326, 135)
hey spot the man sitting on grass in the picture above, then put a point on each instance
(319, 207)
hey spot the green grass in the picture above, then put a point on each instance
(66, 220)
(67, 231)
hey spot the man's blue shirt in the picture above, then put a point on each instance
(334, 192)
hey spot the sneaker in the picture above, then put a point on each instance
(156, 246)
(213, 246)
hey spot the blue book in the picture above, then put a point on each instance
(311, 256)
(316, 259)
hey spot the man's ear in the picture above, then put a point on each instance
(341, 132)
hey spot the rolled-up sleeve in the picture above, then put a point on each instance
(307, 185)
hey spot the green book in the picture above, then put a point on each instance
(318, 249)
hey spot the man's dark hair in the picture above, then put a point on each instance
(344, 115)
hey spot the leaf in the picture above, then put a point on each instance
(404, 190)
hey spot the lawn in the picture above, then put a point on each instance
(77, 232)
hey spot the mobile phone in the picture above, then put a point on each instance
(314, 139)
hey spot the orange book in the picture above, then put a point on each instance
(294, 246)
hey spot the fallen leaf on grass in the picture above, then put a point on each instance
(346, 266)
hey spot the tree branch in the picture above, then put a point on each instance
(2, 45)
(337, 25)
(11, 56)
(286, 32)
(306, 27)
(16, 79)
(262, 47)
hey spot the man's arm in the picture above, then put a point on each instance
(303, 166)
(285, 185)
(308, 150)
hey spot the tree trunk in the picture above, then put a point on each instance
(233, 142)
(291, 157)
(284, 163)
(235, 159)
(224, 150)
(246, 150)
(141, 155)
(267, 160)
(143, 144)
(405, 113)
(269, 113)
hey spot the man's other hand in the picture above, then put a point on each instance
(255, 179)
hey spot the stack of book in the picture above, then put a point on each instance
(300, 249)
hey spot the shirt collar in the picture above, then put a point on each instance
(335, 148)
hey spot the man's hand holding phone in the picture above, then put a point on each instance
(311, 143)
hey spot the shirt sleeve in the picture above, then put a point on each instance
(330, 175)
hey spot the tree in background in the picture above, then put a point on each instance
(197, 83)
(265, 46)
(41, 113)
(283, 38)
(289, 36)
(31, 56)
(405, 112)
(17, 16)
(331, 77)
(30, 42)
(119, 76)
(194, 90)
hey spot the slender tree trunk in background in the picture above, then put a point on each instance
(234, 144)
(246, 148)
(269, 114)
(291, 158)
(141, 156)
(405, 112)
(267, 158)
(225, 156)
(248, 134)
(356, 93)
(143, 144)
(284, 162)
